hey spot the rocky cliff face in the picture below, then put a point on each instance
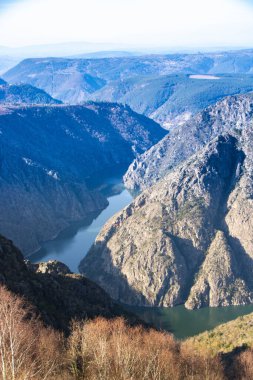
(56, 293)
(218, 282)
(48, 154)
(182, 142)
(187, 239)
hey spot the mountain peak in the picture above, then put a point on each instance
(162, 249)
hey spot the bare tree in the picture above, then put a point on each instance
(22, 338)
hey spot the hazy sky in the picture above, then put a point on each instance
(147, 23)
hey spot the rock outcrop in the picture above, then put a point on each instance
(50, 267)
(56, 294)
(187, 239)
(218, 282)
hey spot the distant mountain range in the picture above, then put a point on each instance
(168, 88)
(49, 153)
(61, 49)
(106, 54)
(173, 99)
(170, 99)
(7, 63)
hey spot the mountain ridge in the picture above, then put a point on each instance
(49, 153)
(168, 88)
(186, 239)
(187, 139)
(24, 94)
(56, 294)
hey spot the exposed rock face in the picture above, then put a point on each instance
(182, 142)
(187, 239)
(57, 294)
(49, 153)
(218, 282)
(52, 267)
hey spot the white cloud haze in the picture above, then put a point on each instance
(145, 23)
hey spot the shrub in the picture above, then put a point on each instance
(103, 349)
(96, 350)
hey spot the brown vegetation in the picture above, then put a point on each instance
(99, 350)
(104, 349)
(243, 367)
(27, 349)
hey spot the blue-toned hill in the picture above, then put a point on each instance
(172, 99)
(168, 88)
(48, 154)
(24, 94)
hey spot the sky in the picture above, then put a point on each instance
(133, 23)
